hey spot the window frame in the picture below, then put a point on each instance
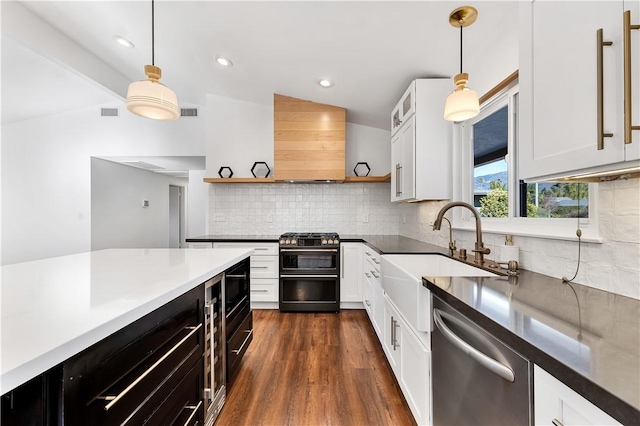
(551, 228)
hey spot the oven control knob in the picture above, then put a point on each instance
(282, 242)
(294, 242)
(324, 242)
(335, 241)
(288, 242)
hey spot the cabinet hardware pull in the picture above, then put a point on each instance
(313, 250)
(308, 276)
(342, 264)
(374, 274)
(400, 179)
(259, 291)
(193, 413)
(393, 329)
(259, 267)
(396, 345)
(376, 261)
(261, 248)
(367, 274)
(150, 369)
(487, 362)
(236, 307)
(237, 351)
(600, 89)
(628, 119)
(556, 422)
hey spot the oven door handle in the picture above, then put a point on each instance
(309, 250)
(308, 276)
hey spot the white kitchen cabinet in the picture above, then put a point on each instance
(558, 108)
(421, 146)
(200, 245)
(555, 401)
(372, 276)
(392, 338)
(410, 361)
(405, 108)
(264, 261)
(351, 275)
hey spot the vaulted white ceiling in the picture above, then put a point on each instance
(371, 50)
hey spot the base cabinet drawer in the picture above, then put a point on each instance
(264, 266)
(237, 345)
(183, 406)
(260, 249)
(264, 289)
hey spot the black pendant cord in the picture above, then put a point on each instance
(460, 48)
(153, 32)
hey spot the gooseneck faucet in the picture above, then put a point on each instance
(480, 250)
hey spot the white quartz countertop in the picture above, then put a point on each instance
(54, 308)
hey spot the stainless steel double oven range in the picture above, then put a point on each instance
(309, 272)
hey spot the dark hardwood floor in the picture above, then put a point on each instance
(314, 369)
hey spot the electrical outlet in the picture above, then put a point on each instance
(145, 203)
(219, 217)
(269, 218)
(404, 218)
(365, 218)
(432, 219)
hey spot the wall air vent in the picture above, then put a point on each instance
(109, 112)
(188, 112)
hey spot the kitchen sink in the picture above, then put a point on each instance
(402, 281)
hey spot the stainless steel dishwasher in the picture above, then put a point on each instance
(477, 379)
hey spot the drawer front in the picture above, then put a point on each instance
(167, 336)
(264, 289)
(264, 267)
(183, 406)
(148, 392)
(237, 345)
(261, 249)
(372, 257)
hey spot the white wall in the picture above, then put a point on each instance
(370, 145)
(197, 204)
(46, 171)
(118, 219)
(239, 133)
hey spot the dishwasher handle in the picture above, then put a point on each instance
(489, 363)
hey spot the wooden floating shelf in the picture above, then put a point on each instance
(385, 178)
(347, 179)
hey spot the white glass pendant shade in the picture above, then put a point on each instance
(152, 99)
(463, 103)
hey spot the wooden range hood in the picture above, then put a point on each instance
(308, 140)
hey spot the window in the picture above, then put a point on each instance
(488, 179)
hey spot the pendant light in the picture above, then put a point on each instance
(150, 98)
(463, 102)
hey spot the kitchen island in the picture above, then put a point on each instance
(54, 308)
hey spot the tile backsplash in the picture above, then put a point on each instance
(258, 209)
(361, 209)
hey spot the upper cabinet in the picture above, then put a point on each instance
(572, 90)
(309, 140)
(421, 143)
(405, 108)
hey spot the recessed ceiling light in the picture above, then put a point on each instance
(225, 62)
(325, 83)
(123, 41)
